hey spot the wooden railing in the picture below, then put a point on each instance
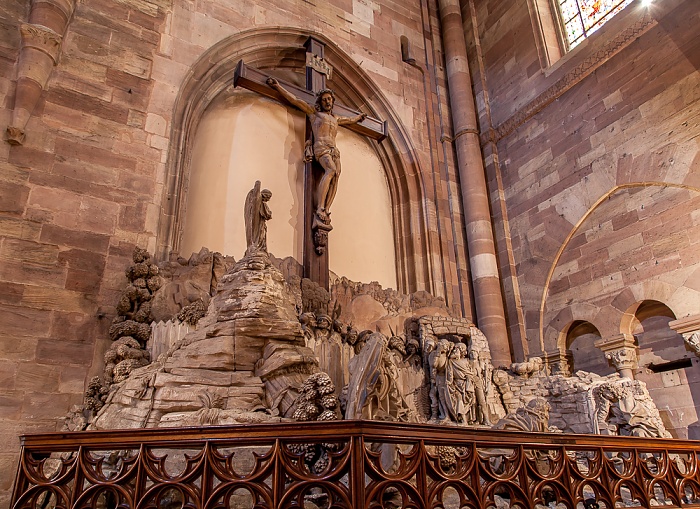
(351, 464)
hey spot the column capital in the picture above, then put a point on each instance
(614, 342)
(559, 362)
(621, 351)
(41, 38)
(623, 358)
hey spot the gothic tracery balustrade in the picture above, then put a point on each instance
(351, 464)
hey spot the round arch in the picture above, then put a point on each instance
(640, 310)
(677, 296)
(283, 48)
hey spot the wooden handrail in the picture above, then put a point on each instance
(375, 429)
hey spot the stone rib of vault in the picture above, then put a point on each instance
(243, 364)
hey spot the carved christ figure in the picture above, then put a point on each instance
(324, 126)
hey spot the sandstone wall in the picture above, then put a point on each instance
(594, 173)
(92, 179)
(581, 147)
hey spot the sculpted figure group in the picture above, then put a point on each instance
(458, 383)
(371, 367)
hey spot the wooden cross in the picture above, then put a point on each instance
(315, 238)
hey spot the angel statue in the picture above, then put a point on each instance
(257, 212)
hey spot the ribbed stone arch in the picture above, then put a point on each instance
(269, 48)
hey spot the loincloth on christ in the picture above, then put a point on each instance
(318, 150)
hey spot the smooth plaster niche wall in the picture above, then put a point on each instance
(244, 137)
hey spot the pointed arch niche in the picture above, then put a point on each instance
(223, 139)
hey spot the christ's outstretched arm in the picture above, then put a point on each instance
(291, 98)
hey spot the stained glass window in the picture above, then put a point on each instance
(583, 17)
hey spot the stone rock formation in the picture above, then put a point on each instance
(243, 363)
(584, 402)
(185, 282)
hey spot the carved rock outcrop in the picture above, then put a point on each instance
(186, 282)
(244, 363)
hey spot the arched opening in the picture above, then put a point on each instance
(659, 345)
(243, 137)
(281, 50)
(670, 371)
(580, 345)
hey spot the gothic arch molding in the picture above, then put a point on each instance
(283, 48)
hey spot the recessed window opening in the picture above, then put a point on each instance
(670, 366)
(583, 17)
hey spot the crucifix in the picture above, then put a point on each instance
(321, 156)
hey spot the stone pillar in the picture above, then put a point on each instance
(488, 297)
(558, 362)
(622, 352)
(40, 48)
(689, 328)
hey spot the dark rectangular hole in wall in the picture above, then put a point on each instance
(671, 365)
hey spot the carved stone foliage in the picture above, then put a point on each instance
(624, 358)
(315, 299)
(129, 331)
(122, 358)
(192, 312)
(79, 416)
(144, 281)
(316, 400)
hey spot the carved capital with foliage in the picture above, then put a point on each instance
(623, 359)
(41, 38)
